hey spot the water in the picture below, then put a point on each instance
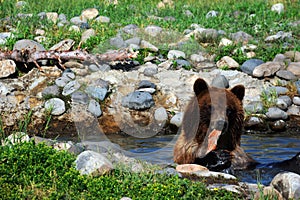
(263, 148)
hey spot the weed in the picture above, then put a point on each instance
(269, 97)
(48, 117)
(23, 124)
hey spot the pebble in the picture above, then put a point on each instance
(161, 114)
(7, 68)
(212, 13)
(70, 87)
(150, 71)
(249, 65)
(79, 97)
(286, 99)
(255, 123)
(138, 100)
(62, 81)
(56, 105)
(197, 58)
(183, 63)
(96, 92)
(225, 42)
(16, 138)
(117, 42)
(94, 108)
(227, 61)
(280, 103)
(173, 54)
(276, 113)
(294, 110)
(64, 45)
(279, 8)
(134, 40)
(177, 119)
(146, 84)
(52, 16)
(296, 101)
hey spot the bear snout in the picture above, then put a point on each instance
(220, 125)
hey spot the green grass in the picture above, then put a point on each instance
(30, 171)
(139, 12)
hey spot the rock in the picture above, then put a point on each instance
(220, 81)
(96, 92)
(249, 65)
(293, 55)
(255, 123)
(94, 108)
(278, 125)
(285, 74)
(62, 81)
(212, 13)
(28, 44)
(161, 114)
(279, 8)
(147, 45)
(188, 13)
(240, 36)
(296, 101)
(92, 163)
(173, 54)
(88, 14)
(146, 84)
(4, 89)
(7, 67)
(102, 19)
(134, 40)
(130, 29)
(231, 188)
(294, 67)
(117, 42)
(177, 119)
(288, 184)
(71, 87)
(87, 34)
(293, 110)
(150, 71)
(188, 168)
(21, 4)
(52, 90)
(286, 99)
(197, 58)
(56, 106)
(276, 113)
(225, 42)
(183, 64)
(52, 16)
(138, 100)
(279, 90)
(211, 174)
(79, 97)
(280, 103)
(279, 58)
(268, 192)
(153, 30)
(206, 35)
(169, 171)
(74, 28)
(68, 146)
(16, 138)
(64, 45)
(267, 69)
(227, 61)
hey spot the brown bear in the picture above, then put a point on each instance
(211, 129)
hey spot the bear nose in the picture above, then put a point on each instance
(221, 125)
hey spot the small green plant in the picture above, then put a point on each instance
(48, 117)
(23, 124)
(269, 97)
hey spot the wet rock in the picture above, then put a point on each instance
(173, 54)
(220, 82)
(52, 90)
(177, 119)
(96, 92)
(212, 13)
(138, 100)
(102, 19)
(249, 65)
(88, 14)
(56, 106)
(296, 101)
(153, 30)
(161, 114)
(147, 45)
(94, 108)
(79, 97)
(16, 138)
(288, 184)
(71, 87)
(267, 69)
(276, 113)
(255, 123)
(62, 81)
(241, 36)
(285, 74)
(279, 8)
(278, 125)
(64, 45)
(294, 67)
(87, 34)
(92, 163)
(28, 44)
(7, 67)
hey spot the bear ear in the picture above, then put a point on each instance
(199, 86)
(238, 91)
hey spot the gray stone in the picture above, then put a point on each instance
(130, 29)
(96, 92)
(280, 103)
(297, 83)
(255, 123)
(288, 184)
(173, 54)
(56, 106)
(169, 171)
(183, 63)
(267, 69)
(94, 108)
(279, 58)
(293, 55)
(286, 99)
(21, 4)
(153, 30)
(138, 100)
(177, 119)
(117, 42)
(296, 101)
(80, 97)
(92, 163)
(68, 74)
(71, 87)
(241, 36)
(294, 67)
(220, 81)
(212, 13)
(147, 45)
(160, 114)
(249, 65)
(149, 90)
(52, 90)
(146, 84)
(7, 67)
(4, 89)
(206, 35)
(150, 71)
(285, 74)
(87, 34)
(280, 90)
(276, 113)
(212, 174)
(134, 40)
(254, 107)
(100, 83)
(62, 81)
(197, 58)
(69, 146)
(102, 19)
(294, 110)
(28, 44)
(278, 125)
(279, 8)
